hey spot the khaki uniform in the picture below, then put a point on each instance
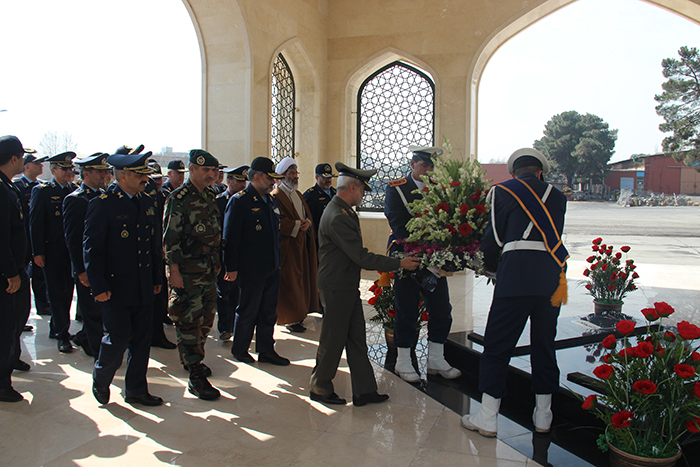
(342, 256)
(192, 239)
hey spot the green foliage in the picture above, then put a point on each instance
(383, 302)
(679, 105)
(578, 146)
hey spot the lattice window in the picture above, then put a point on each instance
(282, 111)
(396, 109)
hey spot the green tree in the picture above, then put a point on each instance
(679, 105)
(578, 146)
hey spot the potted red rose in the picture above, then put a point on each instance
(650, 394)
(610, 276)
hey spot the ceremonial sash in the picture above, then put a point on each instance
(542, 220)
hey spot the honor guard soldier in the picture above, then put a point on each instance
(33, 167)
(192, 240)
(14, 283)
(176, 176)
(228, 291)
(49, 245)
(319, 195)
(123, 259)
(252, 255)
(513, 249)
(95, 175)
(342, 256)
(407, 294)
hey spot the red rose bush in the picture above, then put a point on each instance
(610, 278)
(383, 302)
(650, 386)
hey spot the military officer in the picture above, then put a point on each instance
(252, 255)
(95, 175)
(14, 283)
(407, 293)
(319, 195)
(342, 256)
(513, 249)
(226, 291)
(219, 186)
(49, 245)
(123, 260)
(33, 167)
(176, 176)
(192, 241)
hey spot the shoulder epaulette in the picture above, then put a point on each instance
(103, 196)
(180, 192)
(240, 193)
(399, 182)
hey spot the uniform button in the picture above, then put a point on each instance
(148, 264)
(146, 251)
(138, 238)
(139, 251)
(139, 264)
(148, 238)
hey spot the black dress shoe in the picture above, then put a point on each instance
(145, 399)
(207, 370)
(100, 393)
(164, 344)
(274, 358)
(22, 366)
(53, 335)
(9, 394)
(242, 356)
(28, 328)
(296, 327)
(333, 399)
(83, 345)
(200, 386)
(359, 400)
(64, 346)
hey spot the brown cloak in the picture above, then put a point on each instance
(298, 292)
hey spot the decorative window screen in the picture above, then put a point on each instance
(282, 111)
(396, 109)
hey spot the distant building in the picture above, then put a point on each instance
(659, 173)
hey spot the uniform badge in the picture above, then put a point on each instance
(200, 160)
(57, 213)
(103, 196)
(151, 211)
(258, 227)
(255, 209)
(200, 228)
(125, 233)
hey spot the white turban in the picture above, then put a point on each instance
(285, 164)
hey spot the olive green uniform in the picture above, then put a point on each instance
(192, 239)
(341, 257)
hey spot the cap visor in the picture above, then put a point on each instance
(275, 175)
(367, 186)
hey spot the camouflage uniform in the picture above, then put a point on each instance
(192, 240)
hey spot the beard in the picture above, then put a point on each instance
(294, 186)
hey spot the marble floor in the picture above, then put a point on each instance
(264, 417)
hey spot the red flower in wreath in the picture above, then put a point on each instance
(663, 309)
(590, 259)
(688, 331)
(586, 272)
(424, 316)
(607, 358)
(621, 419)
(628, 352)
(451, 228)
(609, 342)
(589, 286)
(695, 356)
(391, 312)
(644, 349)
(669, 336)
(425, 189)
(465, 229)
(625, 249)
(603, 371)
(455, 183)
(697, 390)
(618, 255)
(476, 195)
(590, 402)
(644, 387)
(594, 248)
(378, 291)
(372, 300)
(611, 287)
(693, 425)
(650, 314)
(480, 208)
(373, 287)
(625, 326)
(604, 267)
(597, 241)
(443, 207)
(683, 370)
(464, 209)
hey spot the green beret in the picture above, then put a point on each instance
(202, 158)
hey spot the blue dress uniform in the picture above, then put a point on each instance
(525, 281)
(75, 207)
(13, 246)
(36, 274)
(123, 255)
(318, 199)
(407, 292)
(252, 232)
(47, 239)
(226, 291)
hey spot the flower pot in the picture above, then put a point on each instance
(619, 458)
(600, 308)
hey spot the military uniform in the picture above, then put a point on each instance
(317, 199)
(75, 207)
(47, 239)
(192, 240)
(123, 256)
(227, 292)
(342, 256)
(13, 245)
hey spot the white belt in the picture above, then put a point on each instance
(524, 245)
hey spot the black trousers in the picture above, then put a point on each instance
(506, 322)
(127, 328)
(407, 296)
(227, 301)
(9, 327)
(91, 333)
(256, 312)
(22, 306)
(59, 285)
(41, 298)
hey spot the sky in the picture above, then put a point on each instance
(129, 72)
(593, 56)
